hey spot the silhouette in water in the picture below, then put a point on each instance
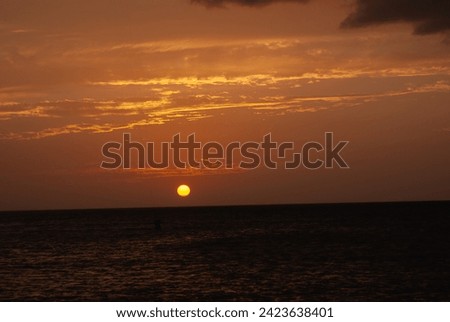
(157, 224)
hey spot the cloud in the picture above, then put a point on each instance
(24, 121)
(427, 16)
(249, 3)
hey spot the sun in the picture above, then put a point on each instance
(183, 190)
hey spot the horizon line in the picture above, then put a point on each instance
(395, 202)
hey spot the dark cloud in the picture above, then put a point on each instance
(429, 17)
(250, 3)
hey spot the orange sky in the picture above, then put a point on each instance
(77, 74)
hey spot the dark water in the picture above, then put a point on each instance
(366, 252)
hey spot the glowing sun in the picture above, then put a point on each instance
(183, 190)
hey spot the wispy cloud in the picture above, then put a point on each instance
(143, 174)
(90, 116)
(250, 3)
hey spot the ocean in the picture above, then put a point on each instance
(334, 252)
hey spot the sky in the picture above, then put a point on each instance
(75, 75)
